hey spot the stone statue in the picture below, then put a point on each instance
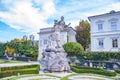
(6, 55)
(62, 22)
(55, 22)
(54, 55)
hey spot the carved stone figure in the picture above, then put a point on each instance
(62, 22)
(54, 55)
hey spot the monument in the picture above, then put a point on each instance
(54, 57)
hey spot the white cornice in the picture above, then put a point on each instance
(102, 15)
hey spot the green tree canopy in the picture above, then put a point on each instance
(72, 48)
(83, 33)
(20, 46)
(2, 48)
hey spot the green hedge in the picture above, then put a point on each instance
(14, 70)
(85, 67)
(117, 70)
(98, 56)
(94, 71)
(18, 67)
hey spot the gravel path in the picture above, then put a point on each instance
(39, 77)
(17, 64)
(87, 78)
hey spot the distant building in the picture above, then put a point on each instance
(25, 37)
(67, 35)
(105, 32)
(32, 37)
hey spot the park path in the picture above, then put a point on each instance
(83, 77)
(39, 77)
(18, 64)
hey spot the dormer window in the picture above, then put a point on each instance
(100, 27)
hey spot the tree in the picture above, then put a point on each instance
(83, 33)
(22, 47)
(2, 48)
(72, 48)
(10, 50)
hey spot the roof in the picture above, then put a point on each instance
(110, 13)
(46, 30)
(51, 29)
(57, 23)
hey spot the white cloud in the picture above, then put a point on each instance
(24, 17)
(114, 6)
(75, 10)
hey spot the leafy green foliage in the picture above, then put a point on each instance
(117, 70)
(72, 48)
(86, 67)
(93, 70)
(98, 56)
(2, 48)
(83, 33)
(26, 47)
(14, 70)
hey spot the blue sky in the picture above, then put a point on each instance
(26, 17)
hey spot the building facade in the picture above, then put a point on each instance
(67, 34)
(105, 32)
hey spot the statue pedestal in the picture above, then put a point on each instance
(55, 60)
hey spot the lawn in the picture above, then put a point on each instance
(35, 77)
(89, 76)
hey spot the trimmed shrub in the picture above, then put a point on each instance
(18, 67)
(94, 71)
(85, 67)
(117, 70)
(98, 56)
(73, 48)
(14, 70)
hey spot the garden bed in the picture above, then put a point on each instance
(99, 71)
(18, 70)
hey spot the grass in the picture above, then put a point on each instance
(23, 76)
(2, 61)
(87, 74)
(118, 76)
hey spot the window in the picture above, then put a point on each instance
(115, 43)
(45, 41)
(100, 27)
(113, 25)
(100, 43)
(40, 43)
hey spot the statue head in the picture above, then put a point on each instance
(62, 18)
